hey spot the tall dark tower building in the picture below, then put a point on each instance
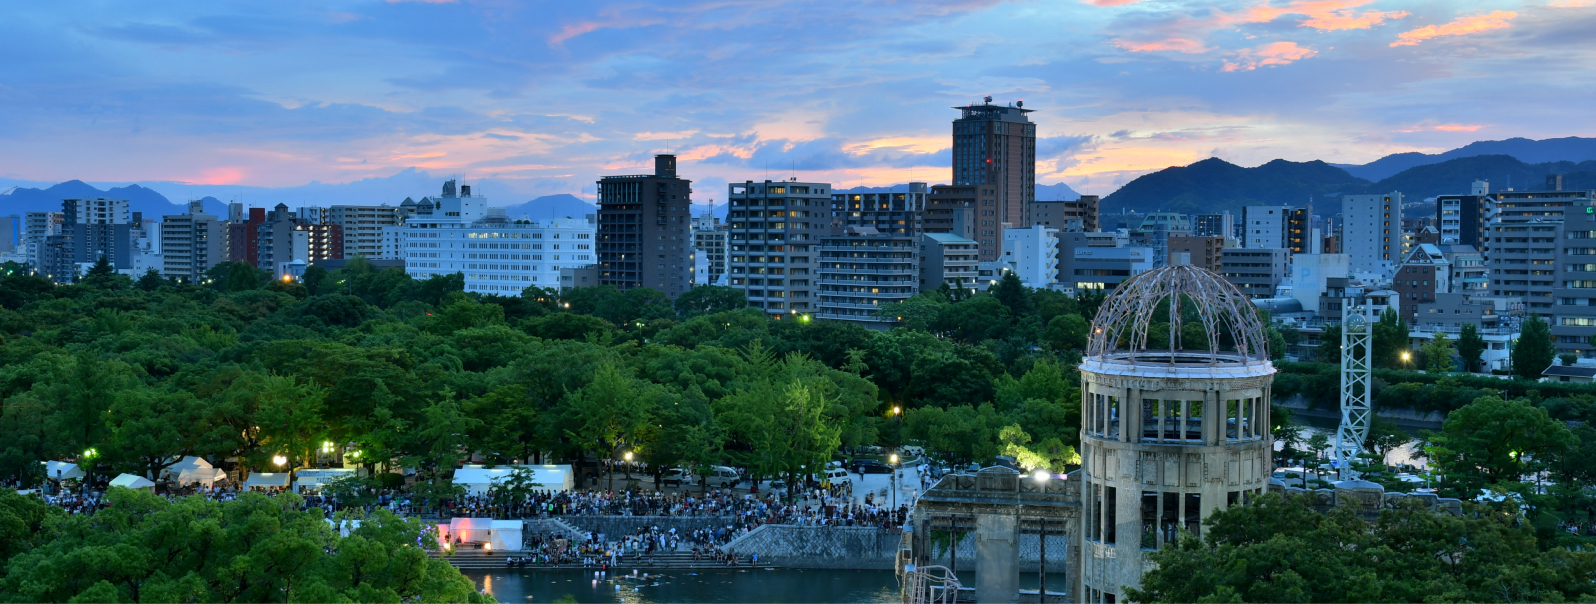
(644, 230)
(996, 145)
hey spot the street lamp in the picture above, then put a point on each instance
(1405, 357)
(894, 460)
(628, 458)
(1041, 476)
(279, 460)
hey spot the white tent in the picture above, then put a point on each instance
(61, 470)
(194, 469)
(266, 479)
(478, 479)
(132, 482)
(344, 526)
(315, 478)
(506, 535)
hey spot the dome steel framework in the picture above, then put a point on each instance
(1233, 332)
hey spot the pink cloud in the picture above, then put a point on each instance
(1457, 128)
(1273, 54)
(572, 31)
(1456, 27)
(225, 175)
(1185, 45)
(1323, 15)
(1111, 2)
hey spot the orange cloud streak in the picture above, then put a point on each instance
(1456, 27)
(1272, 54)
(1185, 45)
(1323, 15)
(1457, 128)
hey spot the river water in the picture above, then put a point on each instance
(730, 585)
(1409, 453)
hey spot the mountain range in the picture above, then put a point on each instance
(1573, 148)
(1214, 185)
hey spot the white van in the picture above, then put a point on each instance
(722, 477)
(838, 477)
(679, 477)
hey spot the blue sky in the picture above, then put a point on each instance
(544, 97)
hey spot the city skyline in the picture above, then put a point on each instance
(544, 99)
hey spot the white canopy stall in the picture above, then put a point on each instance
(131, 481)
(316, 478)
(265, 480)
(477, 479)
(506, 536)
(62, 470)
(194, 469)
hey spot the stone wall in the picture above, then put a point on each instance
(863, 548)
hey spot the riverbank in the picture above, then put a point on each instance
(1407, 418)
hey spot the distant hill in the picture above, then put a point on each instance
(139, 199)
(1214, 185)
(1573, 148)
(552, 206)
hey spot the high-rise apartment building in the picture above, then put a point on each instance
(11, 234)
(644, 230)
(1032, 254)
(1300, 231)
(773, 230)
(861, 269)
(90, 229)
(38, 226)
(1425, 273)
(243, 236)
(1372, 232)
(192, 243)
(1258, 273)
(1264, 227)
(362, 227)
(709, 245)
(1214, 225)
(1203, 251)
(1461, 219)
(966, 211)
(1079, 216)
(996, 145)
(284, 238)
(947, 258)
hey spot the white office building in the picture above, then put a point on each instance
(1032, 254)
(458, 233)
(1372, 229)
(1264, 227)
(363, 227)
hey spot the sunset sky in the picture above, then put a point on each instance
(544, 97)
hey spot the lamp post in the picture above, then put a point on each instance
(1406, 356)
(628, 457)
(894, 460)
(1041, 477)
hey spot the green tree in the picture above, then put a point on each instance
(1470, 346)
(1280, 550)
(1493, 441)
(1567, 359)
(1438, 354)
(253, 549)
(1329, 350)
(1533, 352)
(1390, 339)
(150, 281)
(1012, 293)
(290, 419)
(708, 300)
(1067, 332)
(609, 412)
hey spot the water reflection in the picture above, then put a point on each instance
(1408, 453)
(729, 585)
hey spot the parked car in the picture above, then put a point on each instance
(837, 476)
(723, 477)
(870, 466)
(679, 477)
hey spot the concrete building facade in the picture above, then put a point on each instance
(1372, 231)
(1264, 227)
(1203, 251)
(773, 230)
(967, 211)
(948, 258)
(1257, 273)
(1032, 254)
(996, 145)
(861, 269)
(644, 230)
(192, 243)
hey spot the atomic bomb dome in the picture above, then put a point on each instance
(1178, 315)
(1175, 391)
